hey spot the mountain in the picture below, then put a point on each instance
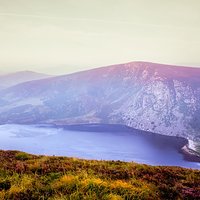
(11, 79)
(148, 96)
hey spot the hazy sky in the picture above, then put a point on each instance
(62, 36)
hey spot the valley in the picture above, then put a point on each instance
(115, 117)
(152, 97)
(99, 100)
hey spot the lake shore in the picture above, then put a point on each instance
(183, 145)
(98, 142)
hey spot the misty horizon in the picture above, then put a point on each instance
(66, 36)
(7, 72)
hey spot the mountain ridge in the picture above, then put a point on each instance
(153, 97)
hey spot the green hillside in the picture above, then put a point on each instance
(25, 176)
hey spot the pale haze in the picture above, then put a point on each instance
(64, 36)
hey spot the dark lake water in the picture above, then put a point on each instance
(94, 142)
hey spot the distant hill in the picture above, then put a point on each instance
(148, 96)
(11, 79)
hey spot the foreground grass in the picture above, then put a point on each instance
(24, 176)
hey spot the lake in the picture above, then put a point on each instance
(101, 142)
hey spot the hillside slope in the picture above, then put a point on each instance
(158, 98)
(25, 176)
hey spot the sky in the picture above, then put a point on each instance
(64, 36)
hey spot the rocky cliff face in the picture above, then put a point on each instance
(159, 98)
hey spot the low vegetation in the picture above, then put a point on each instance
(25, 176)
